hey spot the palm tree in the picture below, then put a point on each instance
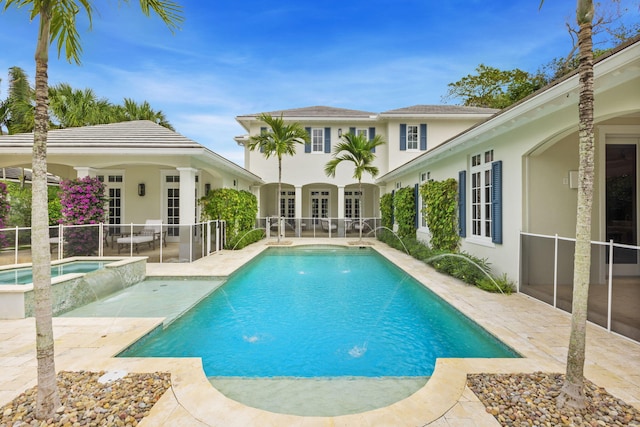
(16, 111)
(57, 23)
(75, 107)
(279, 140)
(134, 111)
(572, 392)
(359, 150)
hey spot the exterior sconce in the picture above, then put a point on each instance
(340, 133)
(207, 188)
(141, 189)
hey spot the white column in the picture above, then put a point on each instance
(340, 201)
(299, 220)
(187, 195)
(187, 213)
(82, 171)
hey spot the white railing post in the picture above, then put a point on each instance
(15, 248)
(191, 229)
(555, 270)
(100, 240)
(131, 240)
(610, 285)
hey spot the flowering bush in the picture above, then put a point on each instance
(4, 213)
(83, 202)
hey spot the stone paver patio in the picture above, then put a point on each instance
(537, 331)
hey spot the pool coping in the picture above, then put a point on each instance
(534, 329)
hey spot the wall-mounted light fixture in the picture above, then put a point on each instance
(339, 132)
(207, 188)
(141, 189)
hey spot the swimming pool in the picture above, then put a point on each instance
(321, 313)
(22, 276)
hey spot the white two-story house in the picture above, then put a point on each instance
(308, 194)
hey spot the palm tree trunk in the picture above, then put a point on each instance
(279, 195)
(572, 392)
(47, 400)
(361, 210)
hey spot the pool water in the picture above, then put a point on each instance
(22, 276)
(323, 312)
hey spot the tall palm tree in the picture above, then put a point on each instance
(572, 392)
(57, 23)
(279, 140)
(359, 150)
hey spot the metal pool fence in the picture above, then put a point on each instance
(159, 242)
(546, 273)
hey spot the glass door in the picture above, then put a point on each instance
(621, 201)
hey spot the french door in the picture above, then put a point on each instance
(621, 221)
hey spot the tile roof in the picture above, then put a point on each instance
(317, 111)
(441, 109)
(123, 134)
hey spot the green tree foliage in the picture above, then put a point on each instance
(68, 107)
(494, 88)
(4, 213)
(439, 199)
(16, 111)
(238, 208)
(404, 209)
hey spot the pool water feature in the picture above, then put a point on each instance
(23, 276)
(76, 282)
(320, 313)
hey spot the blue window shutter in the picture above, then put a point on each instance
(352, 131)
(403, 137)
(327, 140)
(423, 136)
(416, 205)
(262, 130)
(372, 134)
(307, 145)
(462, 203)
(496, 201)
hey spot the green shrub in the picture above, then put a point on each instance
(239, 209)
(404, 212)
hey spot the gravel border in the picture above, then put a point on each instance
(530, 400)
(118, 399)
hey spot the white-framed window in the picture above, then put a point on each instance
(481, 186)
(352, 204)
(412, 137)
(317, 140)
(363, 131)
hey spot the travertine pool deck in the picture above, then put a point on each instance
(537, 331)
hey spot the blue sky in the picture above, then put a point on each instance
(247, 56)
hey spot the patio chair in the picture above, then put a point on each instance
(326, 225)
(151, 233)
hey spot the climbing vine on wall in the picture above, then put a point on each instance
(404, 209)
(386, 210)
(238, 208)
(439, 199)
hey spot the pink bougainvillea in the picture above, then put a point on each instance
(83, 202)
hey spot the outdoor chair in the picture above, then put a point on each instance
(327, 225)
(151, 233)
